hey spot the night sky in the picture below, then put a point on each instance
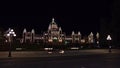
(83, 16)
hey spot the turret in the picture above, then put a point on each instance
(73, 36)
(24, 35)
(90, 38)
(60, 30)
(32, 35)
(79, 36)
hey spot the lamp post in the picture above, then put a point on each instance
(109, 40)
(10, 35)
(97, 38)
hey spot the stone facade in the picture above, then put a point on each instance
(54, 34)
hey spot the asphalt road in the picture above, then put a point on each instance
(106, 60)
(23, 54)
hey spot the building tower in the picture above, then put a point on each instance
(90, 38)
(60, 36)
(73, 37)
(24, 35)
(32, 35)
(54, 32)
(79, 37)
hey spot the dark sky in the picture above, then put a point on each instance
(81, 16)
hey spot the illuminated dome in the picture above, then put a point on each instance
(52, 25)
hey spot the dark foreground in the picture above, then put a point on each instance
(108, 60)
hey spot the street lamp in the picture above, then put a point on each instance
(10, 35)
(109, 39)
(97, 38)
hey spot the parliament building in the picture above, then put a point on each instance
(55, 35)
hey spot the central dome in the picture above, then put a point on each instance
(53, 25)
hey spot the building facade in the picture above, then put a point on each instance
(55, 35)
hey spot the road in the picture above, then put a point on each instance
(20, 54)
(105, 60)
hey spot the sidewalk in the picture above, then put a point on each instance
(25, 54)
